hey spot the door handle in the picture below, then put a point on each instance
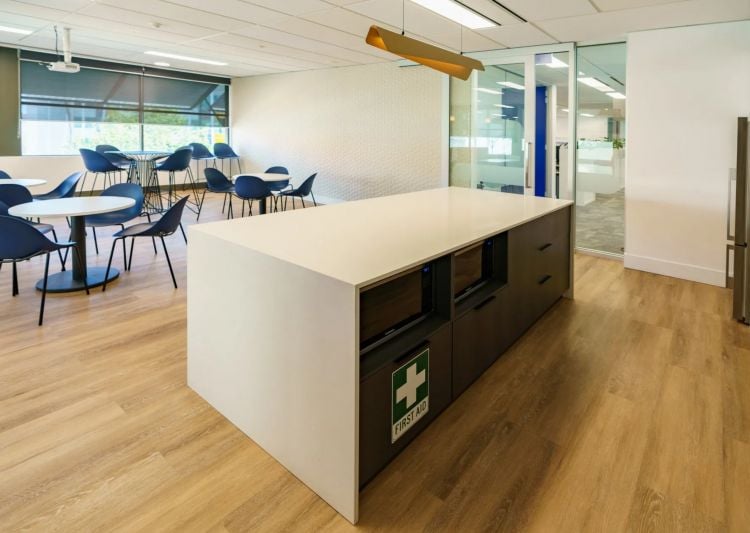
(545, 279)
(529, 150)
(545, 246)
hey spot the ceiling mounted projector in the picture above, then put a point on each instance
(67, 66)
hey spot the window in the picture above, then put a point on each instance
(61, 113)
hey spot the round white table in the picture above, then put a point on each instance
(77, 209)
(23, 182)
(268, 178)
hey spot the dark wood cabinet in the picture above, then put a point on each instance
(538, 266)
(480, 336)
(375, 446)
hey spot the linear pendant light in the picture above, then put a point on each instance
(436, 58)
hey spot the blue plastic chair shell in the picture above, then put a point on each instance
(217, 181)
(126, 190)
(4, 175)
(96, 162)
(177, 161)
(224, 151)
(66, 189)
(200, 151)
(251, 188)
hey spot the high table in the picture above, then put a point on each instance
(331, 409)
(145, 162)
(23, 182)
(268, 178)
(77, 209)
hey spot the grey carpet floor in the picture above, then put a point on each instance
(600, 225)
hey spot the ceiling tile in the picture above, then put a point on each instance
(293, 7)
(493, 11)
(313, 45)
(534, 10)
(516, 35)
(616, 24)
(615, 5)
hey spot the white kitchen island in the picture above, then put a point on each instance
(273, 313)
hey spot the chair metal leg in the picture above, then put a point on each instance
(224, 204)
(153, 241)
(200, 207)
(132, 245)
(109, 264)
(80, 191)
(124, 253)
(169, 263)
(184, 236)
(313, 197)
(44, 289)
(96, 243)
(59, 251)
(230, 214)
(15, 279)
(301, 199)
(250, 207)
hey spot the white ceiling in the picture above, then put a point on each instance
(266, 36)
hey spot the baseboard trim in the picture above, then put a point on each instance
(674, 269)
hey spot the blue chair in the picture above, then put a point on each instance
(222, 152)
(20, 241)
(66, 189)
(118, 218)
(179, 161)
(117, 159)
(166, 225)
(218, 183)
(97, 164)
(4, 175)
(277, 186)
(301, 192)
(249, 188)
(201, 153)
(11, 195)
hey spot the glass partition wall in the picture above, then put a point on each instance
(512, 126)
(600, 176)
(508, 130)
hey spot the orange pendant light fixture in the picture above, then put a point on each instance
(450, 63)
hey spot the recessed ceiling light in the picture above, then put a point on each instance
(596, 84)
(616, 96)
(503, 105)
(587, 115)
(457, 13)
(488, 91)
(15, 30)
(186, 58)
(161, 64)
(512, 85)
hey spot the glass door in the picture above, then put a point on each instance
(489, 133)
(509, 124)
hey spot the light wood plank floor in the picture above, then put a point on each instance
(627, 409)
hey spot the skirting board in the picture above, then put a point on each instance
(675, 270)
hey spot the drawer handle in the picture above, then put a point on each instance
(483, 303)
(545, 279)
(545, 246)
(419, 348)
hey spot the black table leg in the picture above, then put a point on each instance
(262, 206)
(72, 280)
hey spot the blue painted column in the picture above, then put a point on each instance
(540, 142)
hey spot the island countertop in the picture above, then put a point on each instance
(361, 242)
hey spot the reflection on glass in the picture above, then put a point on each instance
(600, 177)
(487, 130)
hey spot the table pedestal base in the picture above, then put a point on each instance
(64, 282)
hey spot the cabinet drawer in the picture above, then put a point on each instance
(479, 337)
(376, 445)
(539, 265)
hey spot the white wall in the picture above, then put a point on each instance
(54, 169)
(685, 88)
(367, 130)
